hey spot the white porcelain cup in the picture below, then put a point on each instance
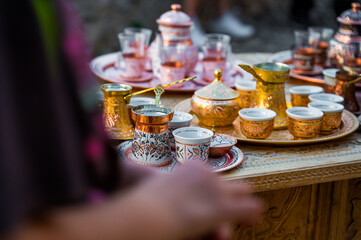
(192, 144)
(299, 94)
(329, 97)
(329, 76)
(180, 119)
(332, 115)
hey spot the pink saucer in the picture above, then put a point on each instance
(146, 76)
(317, 70)
(224, 163)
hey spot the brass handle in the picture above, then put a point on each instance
(354, 81)
(151, 89)
(251, 71)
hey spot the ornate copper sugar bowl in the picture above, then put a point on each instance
(270, 90)
(345, 87)
(216, 104)
(175, 26)
(349, 33)
(116, 116)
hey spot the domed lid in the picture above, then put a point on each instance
(351, 16)
(217, 90)
(175, 17)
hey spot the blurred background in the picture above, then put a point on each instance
(273, 20)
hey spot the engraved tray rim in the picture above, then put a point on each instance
(350, 124)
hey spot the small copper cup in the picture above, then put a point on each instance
(256, 122)
(299, 94)
(246, 91)
(332, 113)
(304, 122)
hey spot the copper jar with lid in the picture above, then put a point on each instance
(216, 105)
(347, 37)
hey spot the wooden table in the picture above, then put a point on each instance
(311, 192)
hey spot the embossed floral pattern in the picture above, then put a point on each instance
(151, 148)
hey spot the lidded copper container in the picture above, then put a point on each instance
(175, 26)
(270, 92)
(348, 34)
(216, 104)
(347, 91)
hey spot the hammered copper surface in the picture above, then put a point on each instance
(270, 93)
(304, 128)
(115, 113)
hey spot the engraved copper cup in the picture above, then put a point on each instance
(151, 144)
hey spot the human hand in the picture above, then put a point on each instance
(196, 202)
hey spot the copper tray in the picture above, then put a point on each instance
(104, 68)
(278, 137)
(286, 57)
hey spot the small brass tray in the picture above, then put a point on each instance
(278, 137)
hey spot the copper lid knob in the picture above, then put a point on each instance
(355, 6)
(218, 74)
(176, 7)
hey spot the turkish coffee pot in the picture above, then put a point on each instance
(174, 27)
(347, 38)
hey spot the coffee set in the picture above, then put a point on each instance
(163, 139)
(161, 136)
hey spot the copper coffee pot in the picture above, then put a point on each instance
(345, 87)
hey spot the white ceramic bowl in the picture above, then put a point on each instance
(306, 90)
(180, 119)
(304, 113)
(246, 85)
(257, 114)
(326, 107)
(192, 135)
(328, 97)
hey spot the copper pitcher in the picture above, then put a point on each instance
(347, 90)
(116, 115)
(270, 90)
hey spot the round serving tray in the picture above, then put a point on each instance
(104, 68)
(349, 124)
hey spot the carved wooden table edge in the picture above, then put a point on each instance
(301, 177)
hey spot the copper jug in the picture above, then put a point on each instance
(116, 115)
(270, 90)
(347, 90)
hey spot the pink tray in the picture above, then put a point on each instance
(104, 68)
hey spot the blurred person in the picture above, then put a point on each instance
(226, 23)
(59, 179)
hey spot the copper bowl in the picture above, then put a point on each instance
(221, 144)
